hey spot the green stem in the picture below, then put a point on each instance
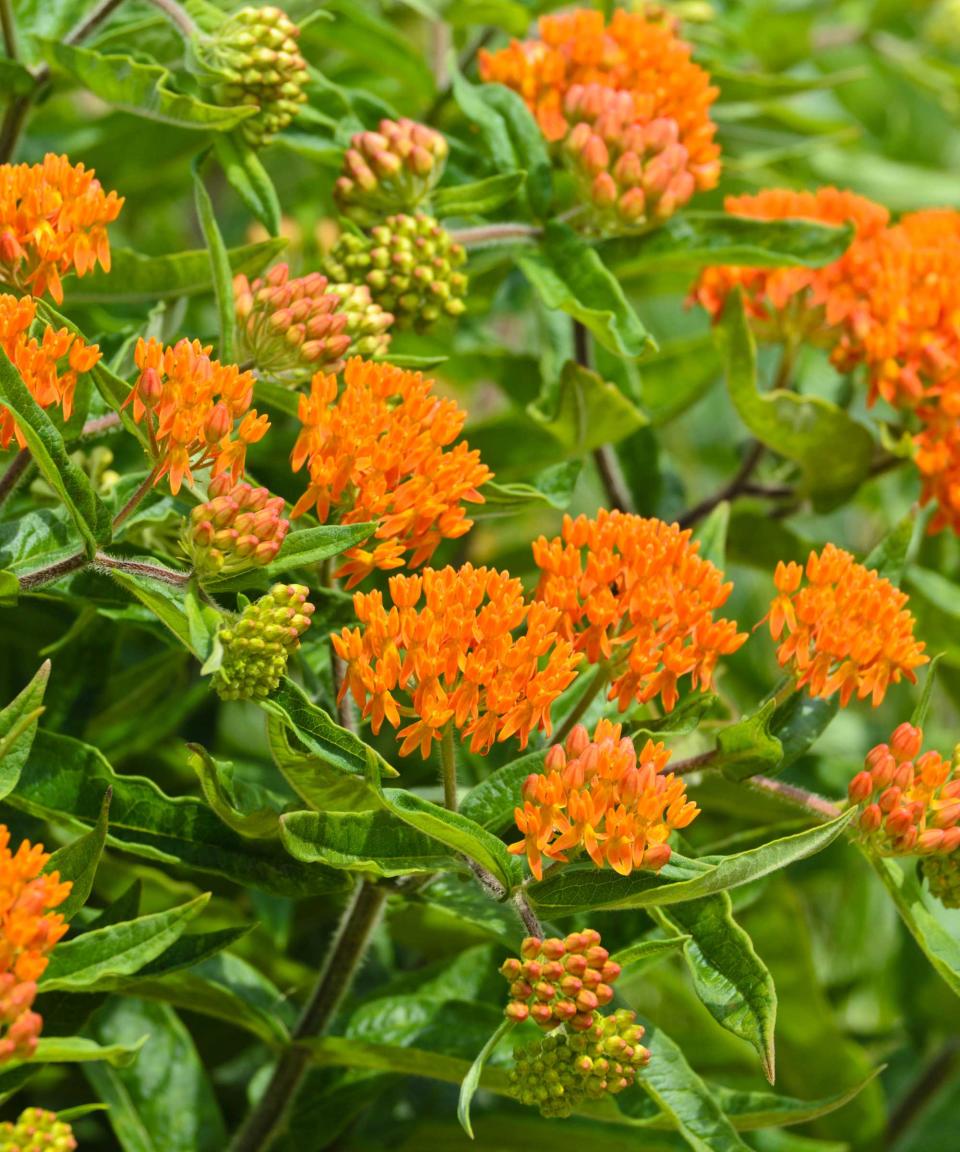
(448, 760)
(9, 29)
(266, 1120)
(809, 801)
(485, 234)
(14, 473)
(600, 680)
(177, 15)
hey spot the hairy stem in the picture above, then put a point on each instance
(177, 15)
(266, 1120)
(729, 491)
(494, 234)
(809, 801)
(142, 568)
(527, 914)
(53, 572)
(100, 424)
(135, 499)
(694, 763)
(448, 761)
(14, 473)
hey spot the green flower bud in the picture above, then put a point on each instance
(257, 646)
(942, 873)
(391, 170)
(37, 1131)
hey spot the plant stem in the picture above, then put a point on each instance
(494, 234)
(265, 1121)
(527, 914)
(100, 424)
(177, 15)
(729, 491)
(135, 499)
(9, 29)
(448, 760)
(141, 568)
(693, 763)
(14, 473)
(924, 1088)
(618, 495)
(600, 680)
(809, 801)
(53, 571)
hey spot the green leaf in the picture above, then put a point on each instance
(645, 951)
(302, 549)
(220, 791)
(711, 534)
(119, 950)
(492, 801)
(134, 277)
(18, 727)
(583, 411)
(748, 747)
(15, 78)
(690, 240)
(141, 89)
(799, 722)
(919, 717)
(80, 1050)
(78, 862)
(553, 486)
(750, 1111)
(249, 179)
(69, 481)
(471, 1082)
(888, 558)
(570, 276)
(66, 779)
(729, 977)
(833, 450)
(164, 1102)
(220, 270)
(478, 197)
(580, 887)
(316, 779)
(167, 602)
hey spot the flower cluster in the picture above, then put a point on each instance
(292, 327)
(638, 52)
(29, 928)
(49, 366)
(236, 528)
(561, 1071)
(391, 170)
(797, 301)
(601, 796)
(380, 450)
(36, 1130)
(253, 59)
(410, 265)
(560, 981)
(256, 647)
(190, 403)
(53, 219)
(474, 654)
(910, 803)
(634, 592)
(628, 169)
(847, 628)
(942, 873)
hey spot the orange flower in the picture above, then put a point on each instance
(794, 297)
(639, 53)
(600, 796)
(474, 654)
(910, 804)
(381, 451)
(635, 592)
(190, 404)
(937, 457)
(847, 630)
(49, 367)
(52, 220)
(27, 935)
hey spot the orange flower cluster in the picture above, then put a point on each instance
(380, 452)
(638, 52)
(474, 654)
(795, 300)
(847, 629)
(600, 795)
(28, 932)
(910, 804)
(190, 404)
(634, 591)
(560, 981)
(49, 367)
(53, 218)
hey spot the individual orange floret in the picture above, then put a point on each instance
(638, 52)
(28, 931)
(460, 647)
(49, 367)
(634, 592)
(601, 796)
(381, 451)
(53, 219)
(793, 300)
(558, 981)
(191, 405)
(847, 628)
(909, 803)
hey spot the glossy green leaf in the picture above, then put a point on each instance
(18, 727)
(492, 801)
(580, 887)
(166, 601)
(220, 270)
(553, 486)
(301, 549)
(833, 450)
(888, 558)
(316, 778)
(645, 951)
(80, 1050)
(570, 276)
(583, 411)
(78, 862)
(221, 793)
(919, 717)
(751, 1111)
(748, 747)
(730, 979)
(141, 89)
(480, 196)
(799, 722)
(471, 1082)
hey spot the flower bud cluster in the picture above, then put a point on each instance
(560, 1071)
(20, 1026)
(291, 328)
(256, 647)
(391, 170)
(942, 873)
(910, 803)
(560, 981)
(411, 266)
(631, 171)
(253, 60)
(237, 528)
(36, 1130)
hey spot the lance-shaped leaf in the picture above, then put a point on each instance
(582, 411)
(18, 727)
(471, 1082)
(300, 549)
(77, 862)
(220, 270)
(249, 179)
(80, 1050)
(479, 196)
(243, 812)
(648, 951)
